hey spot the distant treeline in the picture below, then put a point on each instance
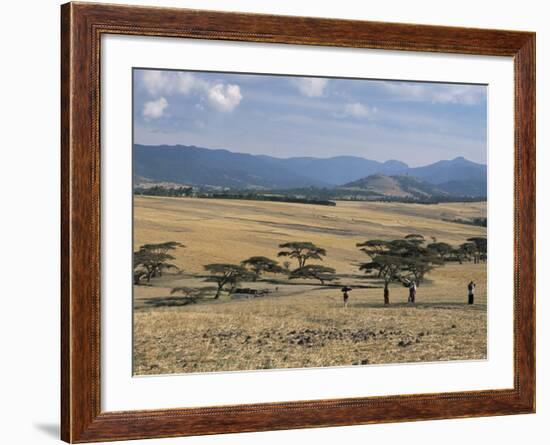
(308, 195)
(482, 222)
(430, 200)
(253, 196)
(262, 197)
(366, 195)
(159, 190)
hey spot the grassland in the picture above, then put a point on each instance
(300, 323)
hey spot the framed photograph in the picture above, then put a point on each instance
(274, 222)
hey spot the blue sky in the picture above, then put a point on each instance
(287, 116)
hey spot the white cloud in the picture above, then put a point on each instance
(220, 96)
(154, 109)
(168, 82)
(186, 83)
(224, 97)
(311, 86)
(358, 110)
(156, 82)
(453, 94)
(460, 94)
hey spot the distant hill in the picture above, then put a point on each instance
(218, 168)
(340, 169)
(457, 177)
(458, 169)
(477, 188)
(190, 165)
(398, 186)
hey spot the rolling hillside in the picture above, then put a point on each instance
(399, 186)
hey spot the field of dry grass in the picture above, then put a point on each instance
(300, 323)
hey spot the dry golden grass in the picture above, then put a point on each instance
(302, 324)
(228, 231)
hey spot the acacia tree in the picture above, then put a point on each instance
(302, 251)
(440, 248)
(191, 294)
(261, 264)
(385, 262)
(480, 248)
(151, 259)
(162, 247)
(143, 266)
(227, 274)
(375, 247)
(401, 260)
(418, 259)
(466, 251)
(321, 273)
(387, 267)
(415, 239)
(417, 267)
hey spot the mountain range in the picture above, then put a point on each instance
(190, 165)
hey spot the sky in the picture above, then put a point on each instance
(288, 116)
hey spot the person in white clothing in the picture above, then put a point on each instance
(412, 291)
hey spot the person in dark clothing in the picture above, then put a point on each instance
(345, 294)
(471, 289)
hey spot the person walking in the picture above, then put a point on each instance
(471, 289)
(345, 295)
(412, 291)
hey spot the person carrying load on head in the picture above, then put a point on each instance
(345, 294)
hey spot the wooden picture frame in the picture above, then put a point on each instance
(82, 26)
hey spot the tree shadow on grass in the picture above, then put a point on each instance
(317, 284)
(169, 301)
(423, 305)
